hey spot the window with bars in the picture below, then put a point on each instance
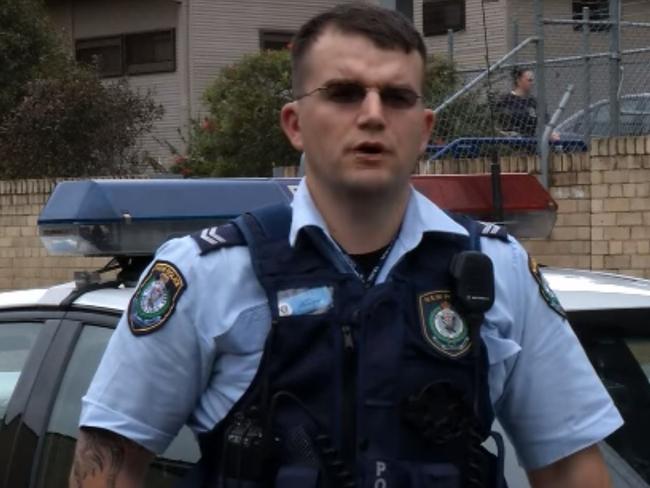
(438, 16)
(129, 54)
(598, 10)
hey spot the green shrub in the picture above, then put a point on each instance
(75, 126)
(29, 49)
(241, 136)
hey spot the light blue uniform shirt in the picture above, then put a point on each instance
(197, 365)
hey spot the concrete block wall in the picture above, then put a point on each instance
(569, 244)
(603, 197)
(620, 205)
(24, 262)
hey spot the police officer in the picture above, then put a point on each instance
(329, 345)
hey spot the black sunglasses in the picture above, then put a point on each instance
(350, 93)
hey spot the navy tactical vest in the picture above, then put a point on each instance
(368, 387)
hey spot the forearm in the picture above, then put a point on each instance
(103, 459)
(583, 469)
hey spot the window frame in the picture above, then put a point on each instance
(266, 35)
(166, 66)
(100, 42)
(122, 42)
(428, 31)
(600, 13)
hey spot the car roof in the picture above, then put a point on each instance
(603, 101)
(590, 290)
(107, 299)
(577, 290)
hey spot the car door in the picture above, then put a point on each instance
(25, 338)
(617, 343)
(63, 379)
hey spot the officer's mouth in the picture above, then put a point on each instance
(370, 150)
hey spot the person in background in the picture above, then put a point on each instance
(517, 110)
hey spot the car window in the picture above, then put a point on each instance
(640, 349)
(16, 341)
(645, 115)
(600, 120)
(630, 120)
(58, 450)
(623, 364)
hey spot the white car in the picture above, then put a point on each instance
(51, 341)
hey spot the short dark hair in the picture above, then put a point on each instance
(387, 29)
(518, 73)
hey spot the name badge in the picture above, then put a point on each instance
(305, 301)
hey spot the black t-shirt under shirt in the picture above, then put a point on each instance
(367, 262)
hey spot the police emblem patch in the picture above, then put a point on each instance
(155, 299)
(442, 326)
(544, 289)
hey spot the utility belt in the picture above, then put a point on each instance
(255, 456)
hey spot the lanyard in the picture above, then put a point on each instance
(370, 279)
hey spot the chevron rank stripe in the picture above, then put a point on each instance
(211, 236)
(490, 229)
(493, 230)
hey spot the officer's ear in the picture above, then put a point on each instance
(290, 123)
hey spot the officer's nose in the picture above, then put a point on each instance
(371, 111)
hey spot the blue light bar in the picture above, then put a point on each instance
(133, 217)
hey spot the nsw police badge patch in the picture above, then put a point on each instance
(155, 299)
(442, 326)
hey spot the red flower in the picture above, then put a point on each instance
(208, 125)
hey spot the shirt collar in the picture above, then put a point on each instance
(421, 216)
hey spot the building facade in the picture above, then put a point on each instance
(175, 48)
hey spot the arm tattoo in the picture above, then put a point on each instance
(101, 453)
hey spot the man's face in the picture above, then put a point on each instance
(367, 146)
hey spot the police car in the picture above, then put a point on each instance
(51, 339)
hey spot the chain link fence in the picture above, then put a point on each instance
(588, 65)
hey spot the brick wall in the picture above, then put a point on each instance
(24, 262)
(603, 219)
(620, 205)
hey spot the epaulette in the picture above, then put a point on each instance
(493, 230)
(213, 238)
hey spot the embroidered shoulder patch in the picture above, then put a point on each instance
(544, 289)
(155, 298)
(442, 326)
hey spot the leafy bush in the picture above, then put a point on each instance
(29, 49)
(74, 126)
(241, 136)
